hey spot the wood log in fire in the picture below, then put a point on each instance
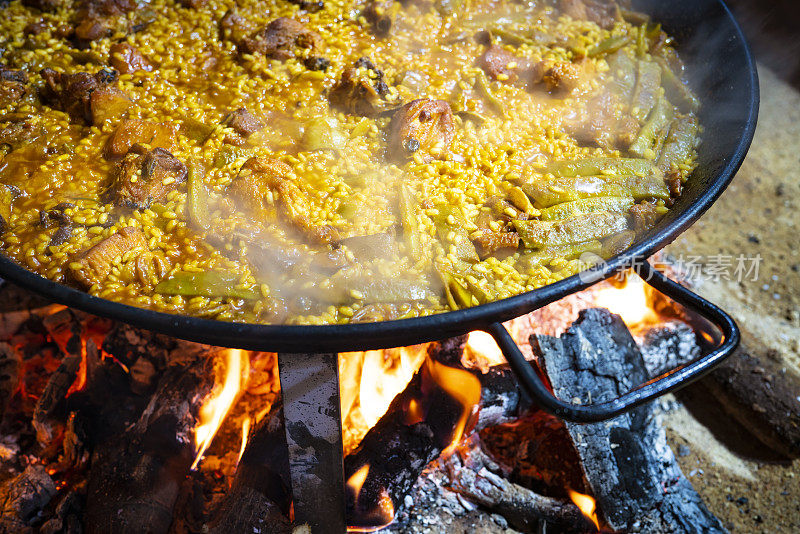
(23, 498)
(627, 462)
(135, 479)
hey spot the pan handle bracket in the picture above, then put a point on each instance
(672, 380)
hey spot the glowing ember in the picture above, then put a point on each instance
(220, 401)
(587, 506)
(464, 387)
(356, 481)
(245, 434)
(629, 301)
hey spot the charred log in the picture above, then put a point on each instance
(473, 474)
(23, 498)
(627, 462)
(50, 415)
(135, 480)
(9, 375)
(260, 495)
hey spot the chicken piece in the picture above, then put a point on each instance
(144, 177)
(361, 90)
(643, 216)
(32, 29)
(281, 39)
(13, 86)
(604, 124)
(43, 5)
(95, 19)
(488, 242)
(380, 16)
(243, 122)
(253, 190)
(96, 263)
(501, 65)
(84, 96)
(134, 131)
(425, 125)
(560, 78)
(601, 12)
(127, 59)
(234, 27)
(193, 4)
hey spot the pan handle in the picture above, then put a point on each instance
(677, 378)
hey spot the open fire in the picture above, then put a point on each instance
(227, 408)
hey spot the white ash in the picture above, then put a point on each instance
(668, 346)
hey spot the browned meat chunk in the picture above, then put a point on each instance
(144, 177)
(361, 90)
(12, 86)
(43, 5)
(34, 28)
(193, 4)
(84, 96)
(134, 131)
(95, 19)
(643, 216)
(257, 177)
(380, 16)
(500, 64)
(559, 78)
(97, 262)
(488, 241)
(234, 27)
(127, 59)
(243, 122)
(282, 39)
(421, 125)
(601, 12)
(604, 124)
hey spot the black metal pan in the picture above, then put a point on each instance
(724, 76)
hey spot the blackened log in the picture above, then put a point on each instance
(135, 480)
(49, 415)
(630, 468)
(473, 474)
(23, 498)
(260, 495)
(405, 440)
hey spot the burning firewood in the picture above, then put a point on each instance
(9, 375)
(260, 495)
(23, 498)
(627, 462)
(135, 479)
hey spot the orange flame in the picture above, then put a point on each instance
(587, 505)
(245, 434)
(630, 301)
(481, 347)
(461, 385)
(375, 519)
(219, 402)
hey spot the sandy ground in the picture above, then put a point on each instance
(756, 216)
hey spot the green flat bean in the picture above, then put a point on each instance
(450, 219)
(677, 91)
(547, 193)
(645, 94)
(653, 131)
(197, 198)
(539, 234)
(608, 46)
(592, 166)
(680, 141)
(584, 206)
(408, 217)
(482, 85)
(534, 258)
(206, 284)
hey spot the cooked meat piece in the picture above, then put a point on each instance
(18, 134)
(97, 262)
(601, 12)
(12, 86)
(95, 19)
(143, 177)
(127, 59)
(282, 39)
(259, 176)
(559, 77)
(422, 124)
(134, 131)
(234, 27)
(34, 28)
(488, 241)
(361, 90)
(193, 4)
(380, 16)
(643, 216)
(84, 96)
(603, 123)
(243, 122)
(3, 225)
(43, 5)
(500, 64)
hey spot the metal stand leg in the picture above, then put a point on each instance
(310, 389)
